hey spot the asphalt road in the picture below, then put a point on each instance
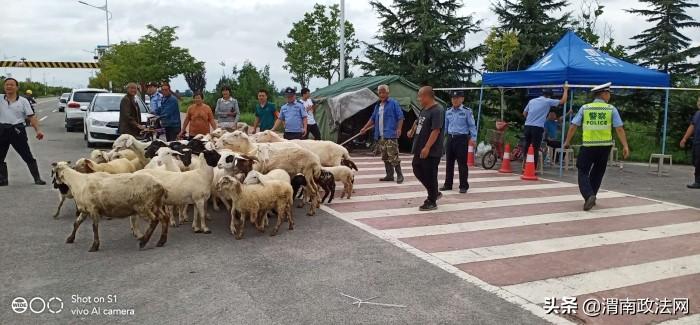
(293, 278)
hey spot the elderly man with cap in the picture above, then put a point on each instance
(459, 128)
(388, 119)
(597, 120)
(293, 115)
(14, 109)
(535, 115)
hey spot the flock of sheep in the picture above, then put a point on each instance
(253, 176)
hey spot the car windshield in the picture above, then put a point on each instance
(65, 96)
(111, 104)
(84, 96)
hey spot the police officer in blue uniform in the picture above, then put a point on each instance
(459, 128)
(293, 115)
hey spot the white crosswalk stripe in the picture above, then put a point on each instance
(475, 180)
(472, 205)
(528, 220)
(613, 278)
(566, 243)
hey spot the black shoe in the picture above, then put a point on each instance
(3, 182)
(590, 202)
(439, 195)
(428, 206)
(695, 185)
(446, 188)
(399, 174)
(3, 174)
(34, 170)
(389, 173)
(463, 190)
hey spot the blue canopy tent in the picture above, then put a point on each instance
(573, 61)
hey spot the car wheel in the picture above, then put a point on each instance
(61, 109)
(90, 144)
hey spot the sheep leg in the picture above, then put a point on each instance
(202, 212)
(95, 236)
(135, 229)
(144, 240)
(169, 210)
(234, 221)
(163, 229)
(60, 204)
(290, 217)
(332, 193)
(76, 225)
(349, 190)
(215, 201)
(240, 227)
(326, 193)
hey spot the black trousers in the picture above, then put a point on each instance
(313, 130)
(171, 133)
(456, 149)
(293, 135)
(533, 136)
(426, 171)
(15, 136)
(591, 164)
(696, 160)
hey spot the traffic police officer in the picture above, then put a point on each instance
(597, 120)
(14, 109)
(459, 128)
(293, 115)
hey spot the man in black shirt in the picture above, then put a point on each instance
(428, 145)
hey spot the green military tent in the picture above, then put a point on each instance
(345, 106)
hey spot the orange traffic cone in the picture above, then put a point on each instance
(470, 156)
(529, 173)
(505, 165)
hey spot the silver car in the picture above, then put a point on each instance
(102, 118)
(62, 101)
(77, 105)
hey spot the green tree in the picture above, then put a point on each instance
(313, 48)
(663, 45)
(500, 48)
(587, 27)
(196, 78)
(425, 41)
(537, 28)
(152, 58)
(247, 81)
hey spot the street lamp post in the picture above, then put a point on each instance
(341, 75)
(104, 8)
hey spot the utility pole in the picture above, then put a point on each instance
(342, 40)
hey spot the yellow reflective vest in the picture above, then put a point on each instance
(597, 124)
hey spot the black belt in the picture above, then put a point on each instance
(457, 135)
(7, 125)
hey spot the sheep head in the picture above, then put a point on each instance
(253, 178)
(81, 166)
(236, 140)
(227, 160)
(186, 157)
(167, 153)
(211, 157)
(228, 183)
(152, 148)
(56, 171)
(99, 156)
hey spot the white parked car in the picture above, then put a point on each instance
(62, 101)
(102, 118)
(77, 105)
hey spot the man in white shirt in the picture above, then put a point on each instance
(14, 110)
(310, 107)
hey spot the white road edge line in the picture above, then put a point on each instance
(526, 221)
(608, 279)
(490, 253)
(499, 292)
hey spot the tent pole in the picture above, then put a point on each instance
(563, 131)
(663, 137)
(478, 114)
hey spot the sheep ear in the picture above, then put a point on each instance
(253, 158)
(89, 165)
(129, 141)
(54, 164)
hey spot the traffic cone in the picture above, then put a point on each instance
(529, 173)
(470, 156)
(505, 165)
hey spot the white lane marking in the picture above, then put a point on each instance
(377, 158)
(407, 174)
(393, 184)
(499, 292)
(442, 168)
(55, 110)
(687, 320)
(527, 220)
(472, 205)
(411, 195)
(490, 253)
(608, 279)
(43, 118)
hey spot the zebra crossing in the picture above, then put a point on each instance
(530, 243)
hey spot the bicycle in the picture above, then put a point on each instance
(496, 140)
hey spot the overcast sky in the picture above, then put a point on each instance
(231, 31)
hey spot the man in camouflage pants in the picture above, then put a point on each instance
(388, 117)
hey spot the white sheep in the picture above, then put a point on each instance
(330, 153)
(188, 188)
(117, 166)
(166, 159)
(115, 196)
(255, 177)
(266, 136)
(254, 201)
(226, 166)
(127, 141)
(345, 175)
